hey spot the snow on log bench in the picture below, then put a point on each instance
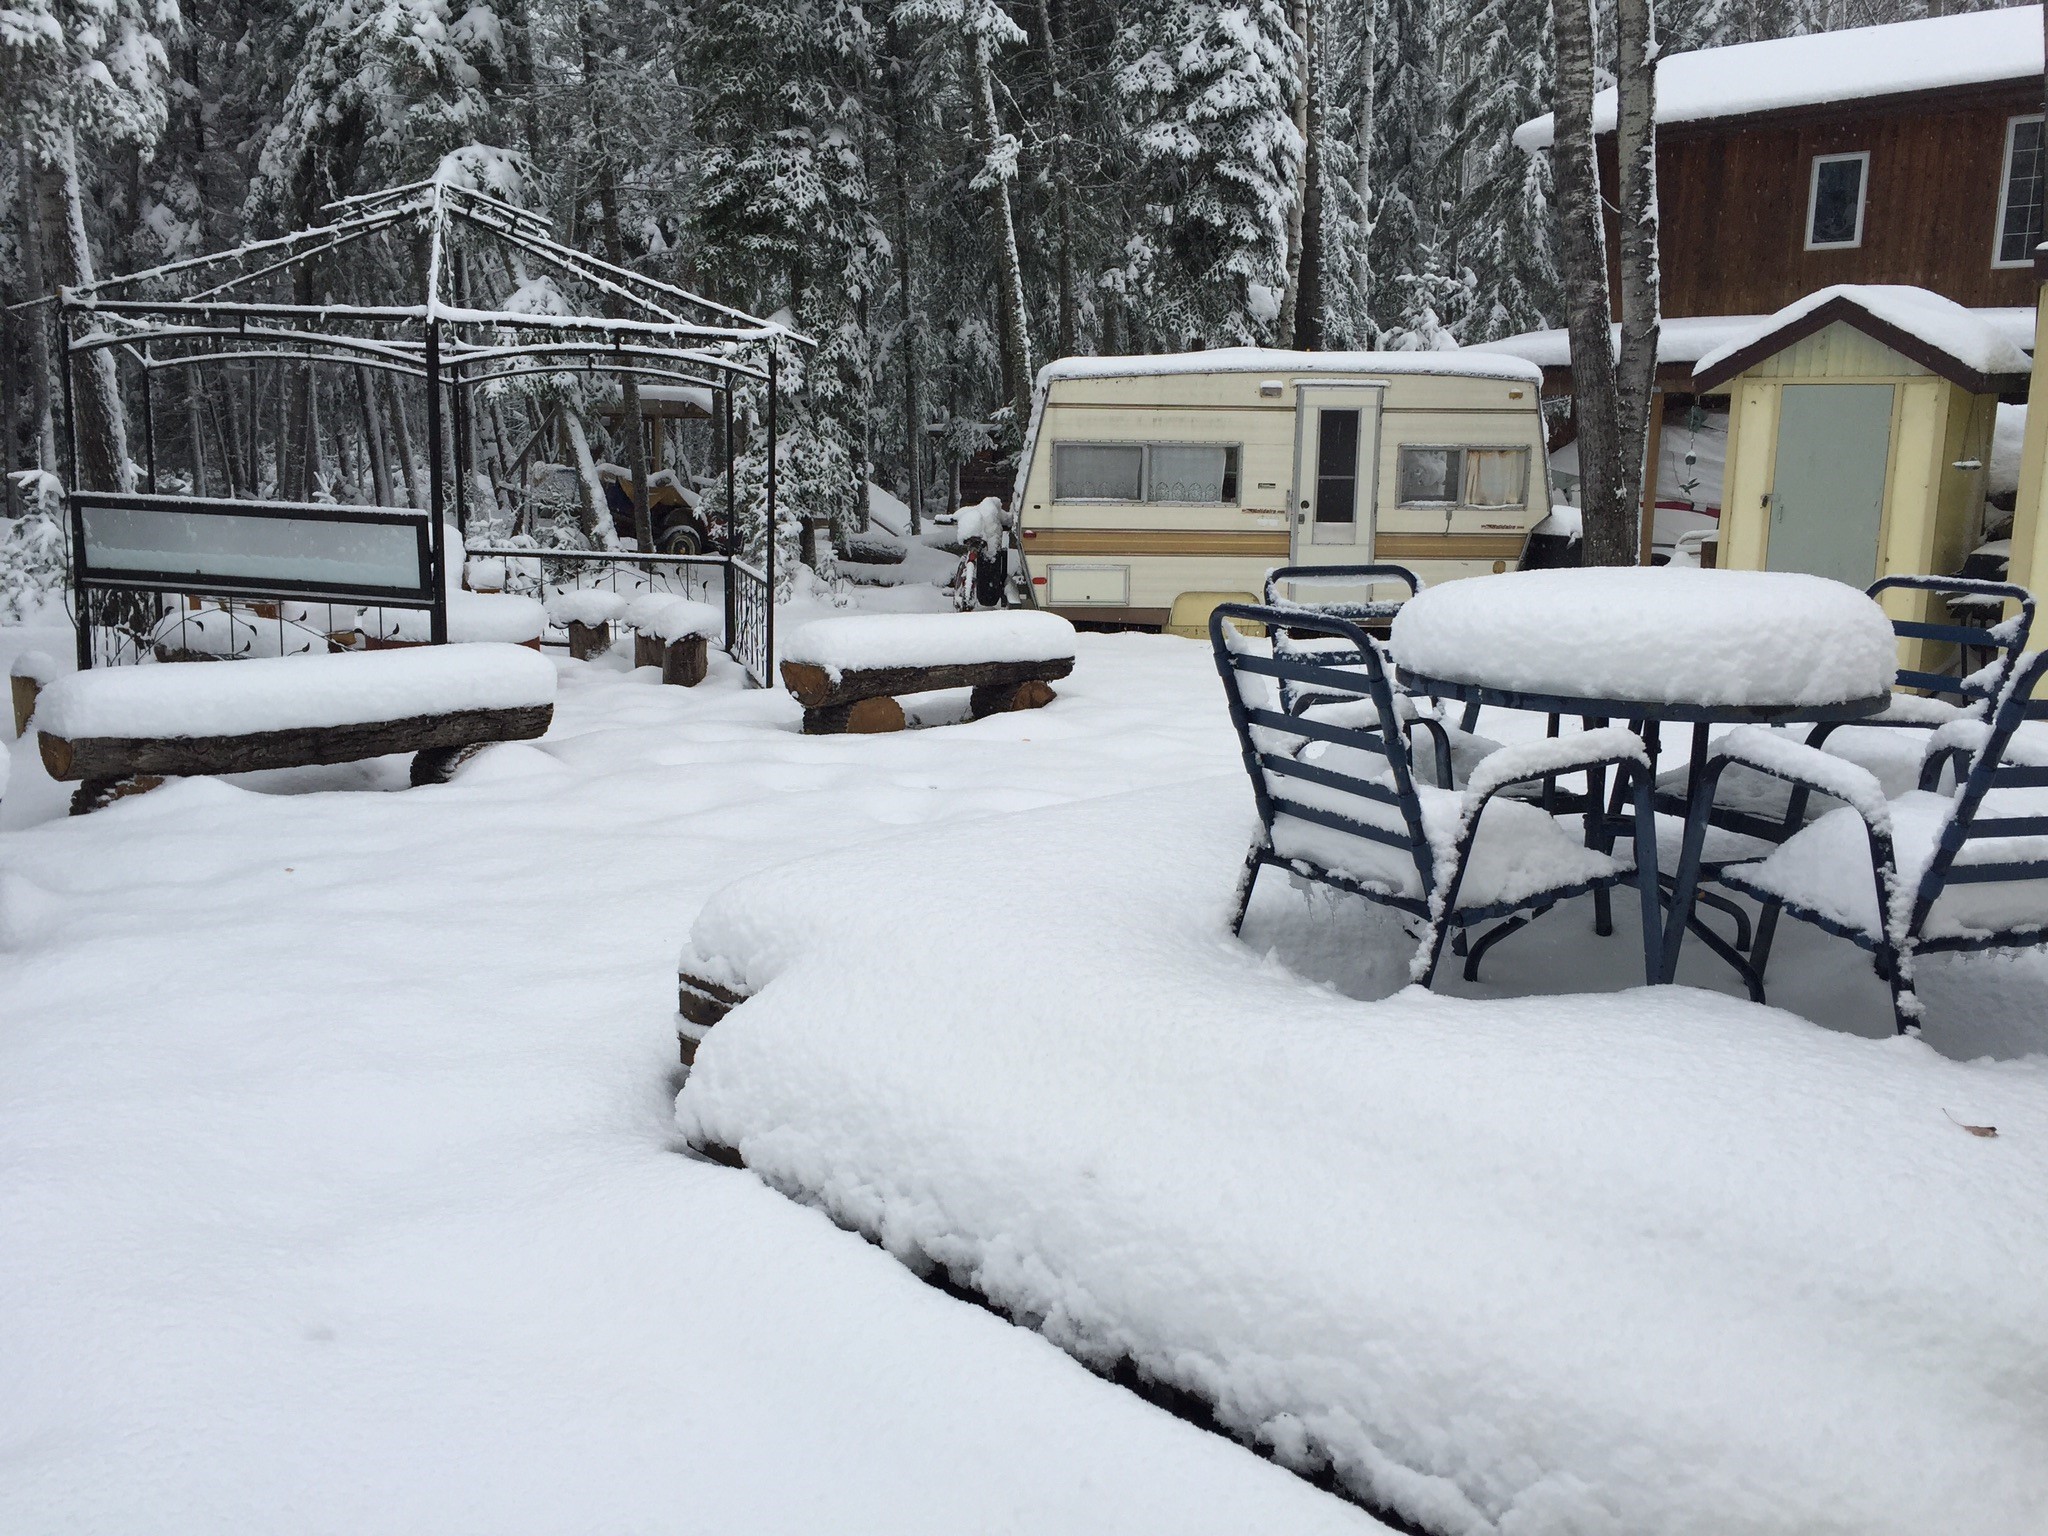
(674, 634)
(847, 673)
(587, 613)
(124, 725)
(473, 618)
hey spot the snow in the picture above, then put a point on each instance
(1796, 762)
(284, 693)
(1660, 1261)
(500, 617)
(2008, 436)
(860, 642)
(1823, 68)
(1762, 639)
(670, 618)
(1680, 339)
(39, 666)
(1963, 334)
(888, 510)
(1565, 522)
(1473, 363)
(343, 1193)
(589, 606)
(677, 394)
(983, 520)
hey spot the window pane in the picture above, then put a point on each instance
(1837, 202)
(228, 546)
(1336, 466)
(1098, 472)
(1496, 477)
(1427, 475)
(1192, 472)
(2021, 231)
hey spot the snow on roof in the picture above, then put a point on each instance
(678, 394)
(1978, 48)
(1938, 333)
(1472, 363)
(1683, 339)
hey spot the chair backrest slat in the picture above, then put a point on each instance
(1272, 740)
(2006, 638)
(1990, 771)
(1329, 778)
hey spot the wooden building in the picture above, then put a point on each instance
(1903, 154)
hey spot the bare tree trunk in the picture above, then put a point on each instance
(615, 249)
(1306, 290)
(1298, 15)
(994, 179)
(1060, 172)
(1635, 68)
(373, 439)
(1367, 67)
(401, 419)
(102, 426)
(195, 426)
(38, 321)
(900, 148)
(1582, 264)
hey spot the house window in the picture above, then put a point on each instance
(2019, 194)
(1834, 203)
(1202, 474)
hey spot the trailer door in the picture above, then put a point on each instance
(1336, 460)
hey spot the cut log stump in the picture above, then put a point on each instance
(686, 662)
(646, 649)
(588, 640)
(702, 1002)
(863, 717)
(95, 793)
(25, 691)
(1004, 698)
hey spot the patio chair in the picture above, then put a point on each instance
(1339, 803)
(1757, 806)
(1921, 873)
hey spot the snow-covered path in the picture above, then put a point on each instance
(338, 1189)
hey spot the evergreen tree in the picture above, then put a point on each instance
(1502, 215)
(1211, 89)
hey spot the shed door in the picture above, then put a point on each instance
(1827, 492)
(1336, 459)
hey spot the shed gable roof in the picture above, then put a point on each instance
(1939, 334)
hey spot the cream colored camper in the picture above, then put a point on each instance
(1152, 481)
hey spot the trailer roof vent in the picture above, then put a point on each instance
(1270, 390)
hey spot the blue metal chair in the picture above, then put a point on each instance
(1339, 803)
(1754, 809)
(1990, 832)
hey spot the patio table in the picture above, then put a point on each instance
(1650, 646)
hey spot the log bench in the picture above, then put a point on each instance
(849, 674)
(122, 730)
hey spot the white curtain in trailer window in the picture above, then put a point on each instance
(1188, 472)
(1496, 477)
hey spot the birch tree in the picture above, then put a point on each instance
(1635, 69)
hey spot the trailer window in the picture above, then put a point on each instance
(1496, 477)
(1098, 472)
(1428, 476)
(1201, 473)
(1190, 472)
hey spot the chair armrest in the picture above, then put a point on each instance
(1602, 748)
(1780, 757)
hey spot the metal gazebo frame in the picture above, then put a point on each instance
(217, 309)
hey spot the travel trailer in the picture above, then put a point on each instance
(1150, 488)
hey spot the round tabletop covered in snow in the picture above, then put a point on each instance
(1684, 640)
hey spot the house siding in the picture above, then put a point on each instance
(1733, 199)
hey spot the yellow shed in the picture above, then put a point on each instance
(1859, 437)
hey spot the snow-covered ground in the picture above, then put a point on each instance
(342, 1188)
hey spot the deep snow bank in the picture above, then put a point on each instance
(1650, 1262)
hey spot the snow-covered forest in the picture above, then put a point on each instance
(945, 192)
